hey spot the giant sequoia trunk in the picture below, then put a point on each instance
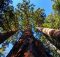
(28, 46)
(4, 36)
(53, 35)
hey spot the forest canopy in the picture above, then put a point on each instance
(26, 17)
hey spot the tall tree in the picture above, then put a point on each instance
(52, 35)
(28, 15)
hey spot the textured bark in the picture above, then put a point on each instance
(28, 46)
(52, 34)
(4, 36)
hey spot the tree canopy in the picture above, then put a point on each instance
(26, 17)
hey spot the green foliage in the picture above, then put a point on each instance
(56, 5)
(10, 22)
(29, 15)
(39, 17)
(52, 21)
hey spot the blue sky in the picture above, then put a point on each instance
(46, 4)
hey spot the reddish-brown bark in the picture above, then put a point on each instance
(28, 46)
(53, 35)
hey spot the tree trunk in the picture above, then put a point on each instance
(4, 36)
(28, 46)
(51, 34)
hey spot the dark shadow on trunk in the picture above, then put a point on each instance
(28, 46)
(4, 36)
